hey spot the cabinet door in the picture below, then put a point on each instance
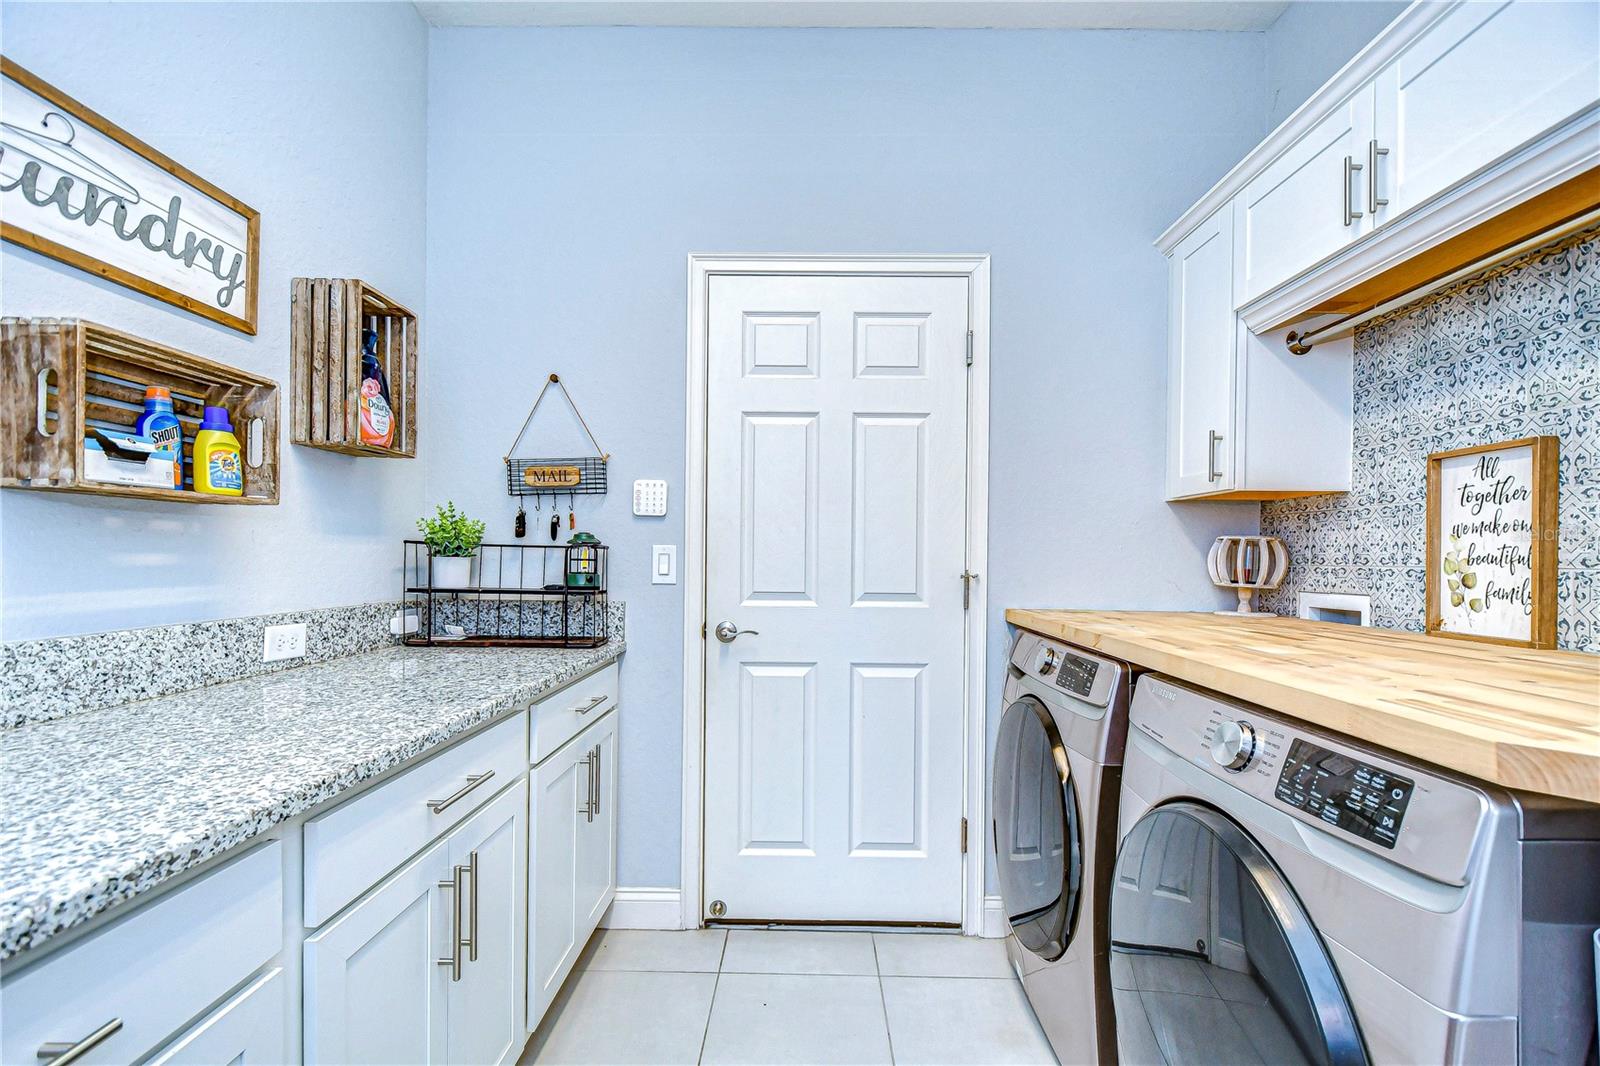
(248, 1030)
(597, 830)
(374, 989)
(1200, 360)
(1484, 80)
(487, 1005)
(560, 786)
(1309, 202)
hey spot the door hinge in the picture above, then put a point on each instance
(702, 631)
(969, 347)
(963, 836)
(967, 578)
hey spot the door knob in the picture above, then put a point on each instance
(727, 632)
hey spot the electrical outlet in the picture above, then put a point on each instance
(283, 642)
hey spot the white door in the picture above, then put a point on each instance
(560, 788)
(1309, 202)
(488, 1006)
(835, 535)
(374, 989)
(1200, 360)
(1482, 82)
(596, 874)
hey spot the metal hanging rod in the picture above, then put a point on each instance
(1301, 343)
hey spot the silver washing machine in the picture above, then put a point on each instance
(1285, 895)
(1055, 792)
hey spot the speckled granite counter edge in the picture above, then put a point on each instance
(27, 928)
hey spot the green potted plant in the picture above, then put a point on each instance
(452, 540)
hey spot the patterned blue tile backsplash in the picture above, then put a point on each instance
(1511, 352)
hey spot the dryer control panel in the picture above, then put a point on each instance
(1361, 798)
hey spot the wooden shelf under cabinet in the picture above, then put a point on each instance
(327, 316)
(64, 376)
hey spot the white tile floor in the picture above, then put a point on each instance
(770, 996)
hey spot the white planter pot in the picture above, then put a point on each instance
(452, 571)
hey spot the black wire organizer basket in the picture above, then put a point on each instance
(539, 596)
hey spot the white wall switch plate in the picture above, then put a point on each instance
(663, 564)
(283, 642)
(650, 498)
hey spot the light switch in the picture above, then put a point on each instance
(650, 498)
(664, 565)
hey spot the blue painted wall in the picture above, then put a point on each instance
(1311, 40)
(571, 171)
(314, 115)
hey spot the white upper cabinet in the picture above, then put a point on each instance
(1484, 80)
(1309, 202)
(1200, 360)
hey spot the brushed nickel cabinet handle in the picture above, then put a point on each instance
(1374, 201)
(587, 810)
(472, 907)
(596, 776)
(1212, 473)
(1350, 211)
(473, 781)
(456, 943)
(591, 705)
(60, 1053)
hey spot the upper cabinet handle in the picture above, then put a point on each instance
(60, 1054)
(472, 782)
(1374, 201)
(1350, 211)
(1212, 473)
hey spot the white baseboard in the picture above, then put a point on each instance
(644, 908)
(994, 918)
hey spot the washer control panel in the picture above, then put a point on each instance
(1064, 670)
(1076, 674)
(1358, 797)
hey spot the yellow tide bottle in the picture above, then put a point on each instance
(218, 468)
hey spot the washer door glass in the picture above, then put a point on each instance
(1036, 838)
(1213, 959)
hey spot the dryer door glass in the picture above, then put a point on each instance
(1213, 959)
(1036, 837)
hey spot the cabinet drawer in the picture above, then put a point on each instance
(248, 1030)
(355, 845)
(152, 971)
(561, 715)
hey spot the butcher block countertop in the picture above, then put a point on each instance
(1524, 719)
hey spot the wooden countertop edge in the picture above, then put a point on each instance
(1556, 768)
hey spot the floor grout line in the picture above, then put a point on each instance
(705, 1033)
(883, 999)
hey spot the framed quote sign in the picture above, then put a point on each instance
(77, 188)
(1492, 542)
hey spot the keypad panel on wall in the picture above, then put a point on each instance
(650, 498)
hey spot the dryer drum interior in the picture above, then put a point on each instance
(1213, 958)
(1037, 842)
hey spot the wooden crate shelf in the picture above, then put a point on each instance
(64, 376)
(327, 316)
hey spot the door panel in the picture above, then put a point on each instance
(374, 989)
(1200, 360)
(487, 1007)
(1294, 213)
(559, 785)
(1482, 82)
(836, 491)
(597, 830)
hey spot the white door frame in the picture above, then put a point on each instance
(975, 268)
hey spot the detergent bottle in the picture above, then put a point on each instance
(218, 468)
(161, 426)
(377, 415)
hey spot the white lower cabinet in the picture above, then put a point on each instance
(374, 989)
(426, 968)
(247, 1030)
(572, 857)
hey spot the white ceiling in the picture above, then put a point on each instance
(939, 14)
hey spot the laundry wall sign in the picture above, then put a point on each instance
(77, 188)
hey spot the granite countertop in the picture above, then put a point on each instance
(105, 805)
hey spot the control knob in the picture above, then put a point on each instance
(1047, 663)
(1233, 745)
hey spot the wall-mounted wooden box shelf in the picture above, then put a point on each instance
(64, 376)
(327, 317)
